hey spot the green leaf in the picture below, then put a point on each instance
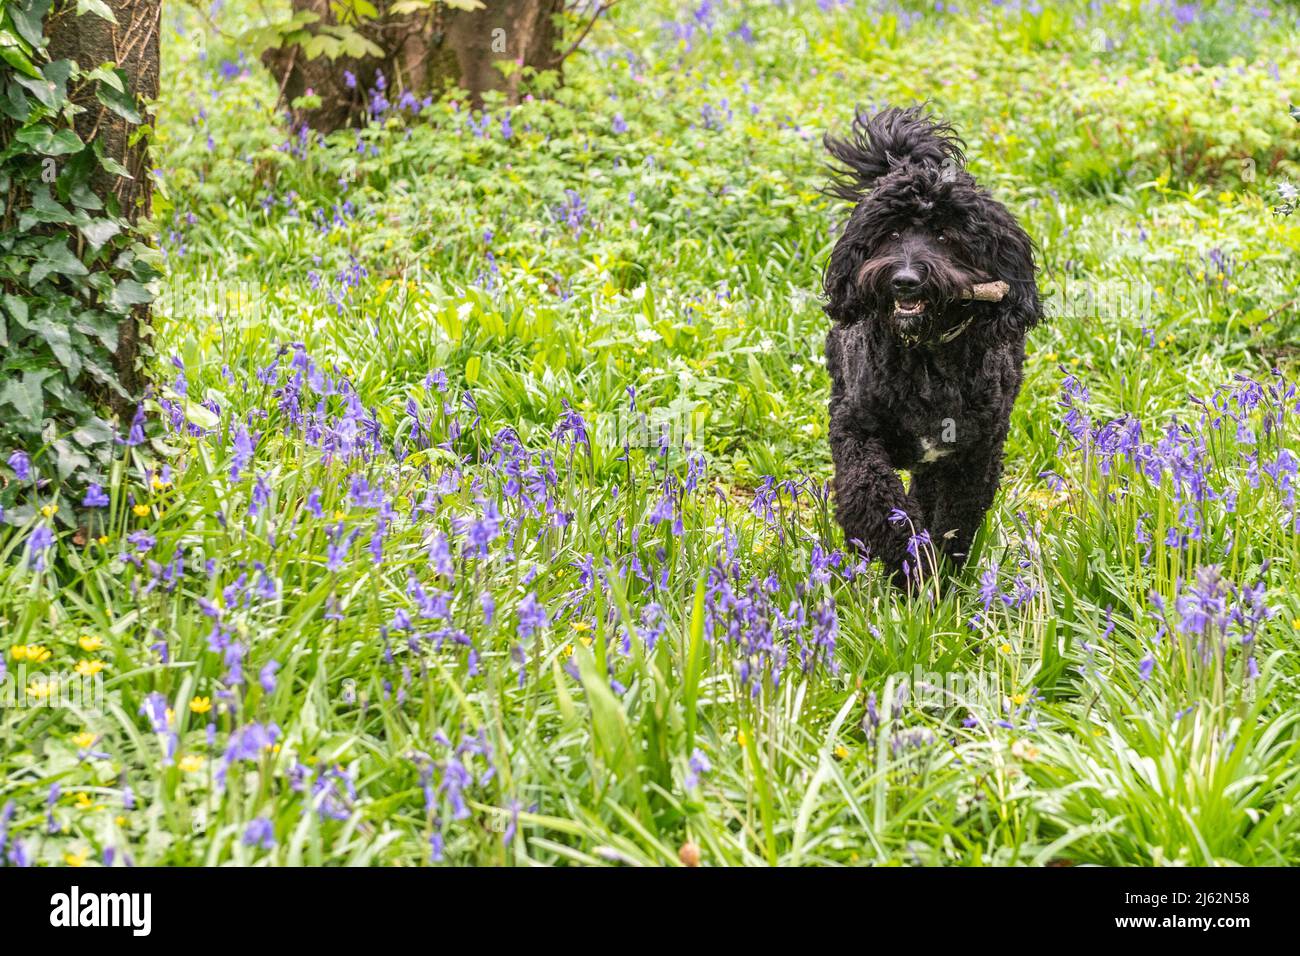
(67, 459)
(44, 209)
(50, 142)
(121, 103)
(609, 722)
(82, 196)
(16, 307)
(58, 337)
(23, 394)
(99, 324)
(106, 74)
(99, 232)
(94, 431)
(56, 257)
(46, 92)
(27, 17)
(113, 166)
(98, 7)
(695, 651)
(126, 294)
(19, 61)
(15, 103)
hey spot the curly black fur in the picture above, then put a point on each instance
(921, 379)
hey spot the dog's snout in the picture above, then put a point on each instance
(904, 281)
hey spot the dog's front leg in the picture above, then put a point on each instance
(867, 493)
(954, 496)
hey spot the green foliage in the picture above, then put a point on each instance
(657, 227)
(303, 29)
(71, 267)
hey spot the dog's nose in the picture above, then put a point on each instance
(905, 282)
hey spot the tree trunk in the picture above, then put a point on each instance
(131, 44)
(423, 53)
(523, 31)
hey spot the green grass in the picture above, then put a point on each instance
(692, 607)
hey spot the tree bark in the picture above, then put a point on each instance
(522, 31)
(423, 53)
(132, 44)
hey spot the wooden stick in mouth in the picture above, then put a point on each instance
(988, 291)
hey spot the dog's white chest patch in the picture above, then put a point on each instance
(931, 451)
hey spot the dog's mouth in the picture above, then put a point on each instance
(910, 308)
(912, 320)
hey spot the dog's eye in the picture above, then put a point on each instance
(895, 236)
(942, 237)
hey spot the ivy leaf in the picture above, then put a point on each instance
(105, 376)
(123, 104)
(15, 104)
(19, 61)
(94, 431)
(57, 336)
(41, 88)
(44, 209)
(68, 460)
(24, 395)
(99, 232)
(127, 293)
(113, 166)
(50, 142)
(27, 16)
(56, 257)
(58, 72)
(98, 7)
(82, 196)
(99, 324)
(17, 308)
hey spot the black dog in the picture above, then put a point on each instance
(924, 365)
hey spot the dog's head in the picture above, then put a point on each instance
(922, 234)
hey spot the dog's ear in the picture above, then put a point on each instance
(845, 301)
(881, 142)
(1010, 257)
